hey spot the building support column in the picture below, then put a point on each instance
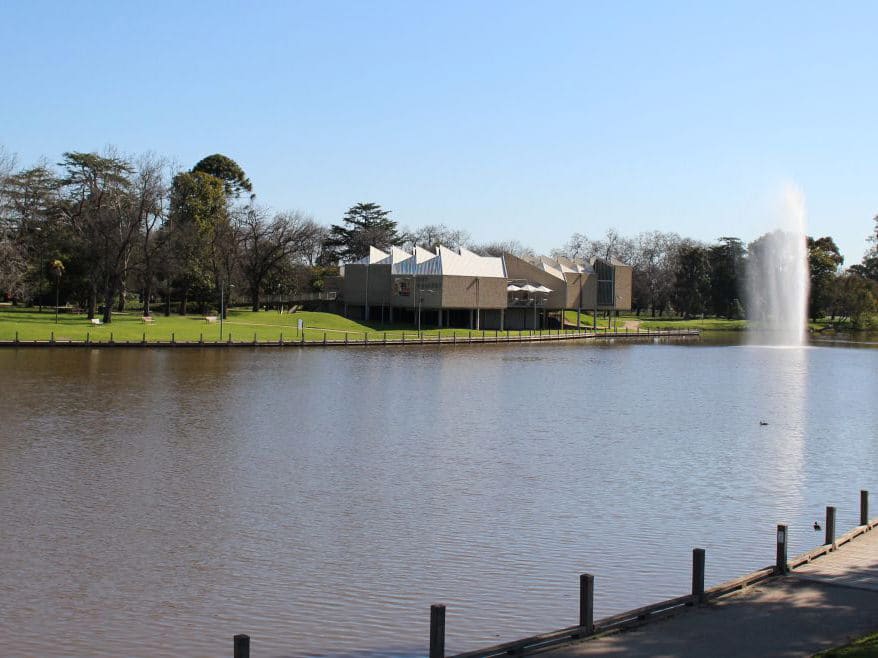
(440, 318)
(502, 319)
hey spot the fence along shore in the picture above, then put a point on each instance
(413, 338)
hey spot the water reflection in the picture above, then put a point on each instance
(157, 502)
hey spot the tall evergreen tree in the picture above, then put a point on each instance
(363, 225)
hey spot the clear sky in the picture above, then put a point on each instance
(525, 121)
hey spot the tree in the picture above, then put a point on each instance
(692, 279)
(433, 235)
(364, 225)
(28, 220)
(99, 208)
(726, 261)
(653, 265)
(857, 298)
(269, 244)
(196, 216)
(869, 267)
(824, 259)
(150, 189)
(499, 248)
(235, 181)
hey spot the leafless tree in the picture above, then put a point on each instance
(269, 243)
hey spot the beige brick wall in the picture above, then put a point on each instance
(473, 292)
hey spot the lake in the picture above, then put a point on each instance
(157, 502)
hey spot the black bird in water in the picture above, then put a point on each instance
(816, 525)
(762, 422)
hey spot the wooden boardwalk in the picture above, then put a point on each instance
(818, 605)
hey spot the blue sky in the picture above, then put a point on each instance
(512, 120)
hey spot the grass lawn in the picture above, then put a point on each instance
(864, 647)
(242, 325)
(707, 324)
(646, 322)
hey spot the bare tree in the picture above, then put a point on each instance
(499, 248)
(267, 244)
(150, 187)
(433, 235)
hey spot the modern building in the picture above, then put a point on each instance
(449, 288)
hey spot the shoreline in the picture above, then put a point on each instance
(484, 339)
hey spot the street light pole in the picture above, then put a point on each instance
(222, 307)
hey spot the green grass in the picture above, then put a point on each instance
(241, 325)
(646, 322)
(864, 647)
(706, 324)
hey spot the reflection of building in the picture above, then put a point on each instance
(461, 289)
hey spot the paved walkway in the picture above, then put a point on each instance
(821, 605)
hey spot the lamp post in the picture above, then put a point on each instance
(57, 270)
(39, 232)
(222, 304)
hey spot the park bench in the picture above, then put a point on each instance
(210, 318)
(96, 321)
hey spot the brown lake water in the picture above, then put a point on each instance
(157, 502)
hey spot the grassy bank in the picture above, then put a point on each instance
(864, 647)
(241, 326)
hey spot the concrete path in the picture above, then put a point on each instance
(821, 605)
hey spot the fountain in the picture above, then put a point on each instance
(778, 280)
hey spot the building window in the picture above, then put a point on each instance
(403, 288)
(606, 283)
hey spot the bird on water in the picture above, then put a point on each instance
(762, 422)
(816, 525)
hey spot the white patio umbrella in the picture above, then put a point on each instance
(544, 289)
(513, 288)
(529, 288)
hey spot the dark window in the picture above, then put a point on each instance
(606, 283)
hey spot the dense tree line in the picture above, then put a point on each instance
(99, 229)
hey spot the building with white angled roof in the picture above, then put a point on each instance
(462, 289)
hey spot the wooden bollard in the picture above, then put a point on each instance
(172, 338)
(280, 341)
(242, 646)
(586, 603)
(697, 575)
(52, 338)
(254, 337)
(781, 560)
(324, 338)
(230, 338)
(385, 338)
(111, 338)
(143, 340)
(437, 630)
(365, 338)
(16, 337)
(830, 525)
(864, 506)
(201, 338)
(87, 337)
(346, 338)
